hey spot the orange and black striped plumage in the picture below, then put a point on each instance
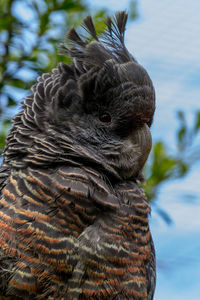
(73, 217)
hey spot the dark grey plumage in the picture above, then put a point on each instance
(73, 219)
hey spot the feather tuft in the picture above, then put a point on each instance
(89, 27)
(114, 35)
(121, 20)
(73, 36)
(109, 46)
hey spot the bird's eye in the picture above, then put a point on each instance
(105, 118)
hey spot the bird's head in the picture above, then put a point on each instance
(109, 104)
(96, 111)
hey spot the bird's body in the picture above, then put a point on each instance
(73, 218)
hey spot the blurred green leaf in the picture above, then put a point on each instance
(133, 9)
(44, 23)
(3, 133)
(162, 164)
(182, 133)
(5, 22)
(182, 168)
(11, 102)
(161, 168)
(197, 121)
(99, 21)
(15, 82)
(181, 137)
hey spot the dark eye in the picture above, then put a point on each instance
(105, 118)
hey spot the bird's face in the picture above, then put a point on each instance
(109, 115)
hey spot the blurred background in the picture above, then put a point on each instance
(164, 36)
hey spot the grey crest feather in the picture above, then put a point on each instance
(109, 46)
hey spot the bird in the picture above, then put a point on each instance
(74, 218)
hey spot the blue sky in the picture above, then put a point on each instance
(165, 40)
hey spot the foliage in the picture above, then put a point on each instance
(164, 166)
